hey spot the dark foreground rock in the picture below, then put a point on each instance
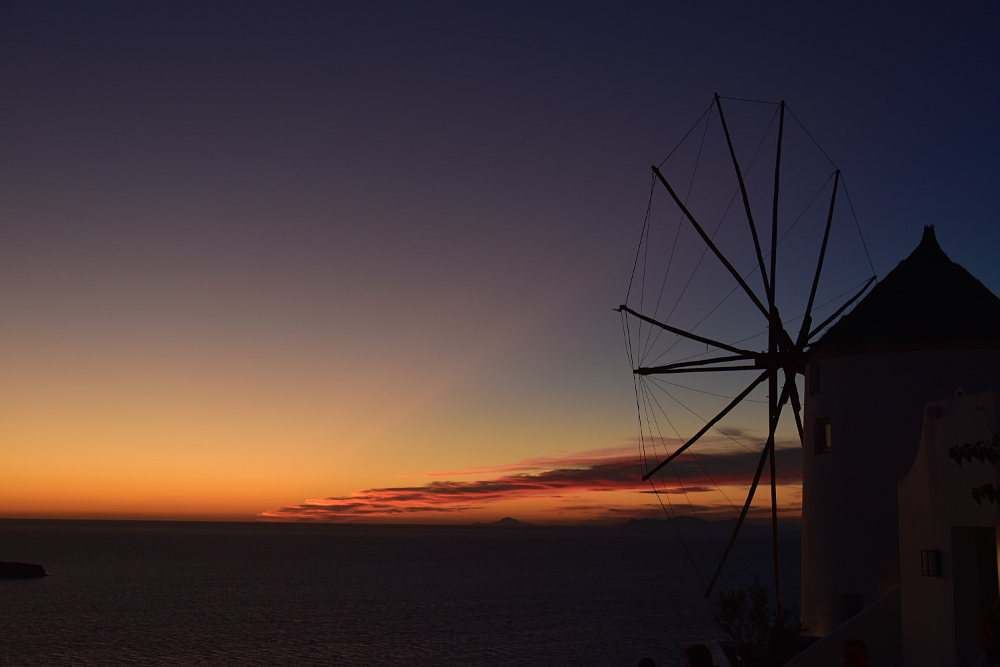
(20, 571)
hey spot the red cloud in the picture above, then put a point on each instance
(616, 474)
(596, 470)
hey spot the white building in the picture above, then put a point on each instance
(947, 542)
(927, 330)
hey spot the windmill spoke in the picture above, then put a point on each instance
(796, 405)
(746, 198)
(775, 415)
(665, 370)
(774, 207)
(712, 422)
(712, 246)
(747, 354)
(705, 362)
(807, 320)
(776, 331)
(774, 536)
(841, 309)
(750, 495)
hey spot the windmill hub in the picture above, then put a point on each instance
(788, 360)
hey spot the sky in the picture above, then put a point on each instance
(358, 261)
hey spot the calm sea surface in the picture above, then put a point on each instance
(188, 593)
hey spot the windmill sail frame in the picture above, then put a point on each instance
(785, 356)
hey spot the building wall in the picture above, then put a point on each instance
(875, 405)
(941, 611)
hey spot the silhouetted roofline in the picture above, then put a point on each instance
(928, 302)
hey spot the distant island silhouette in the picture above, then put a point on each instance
(507, 521)
(20, 570)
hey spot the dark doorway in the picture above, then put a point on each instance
(974, 572)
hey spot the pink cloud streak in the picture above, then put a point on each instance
(591, 471)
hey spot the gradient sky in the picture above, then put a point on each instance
(358, 261)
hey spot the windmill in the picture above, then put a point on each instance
(783, 357)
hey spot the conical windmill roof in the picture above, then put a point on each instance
(926, 302)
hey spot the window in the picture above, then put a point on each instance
(930, 563)
(822, 438)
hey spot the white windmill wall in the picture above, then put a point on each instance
(875, 404)
(941, 610)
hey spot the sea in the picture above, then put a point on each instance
(143, 593)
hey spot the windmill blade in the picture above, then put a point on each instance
(777, 332)
(664, 370)
(710, 424)
(774, 537)
(704, 362)
(750, 495)
(807, 320)
(687, 334)
(775, 416)
(708, 242)
(774, 207)
(796, 405)
(746, 198)
(841, 309)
